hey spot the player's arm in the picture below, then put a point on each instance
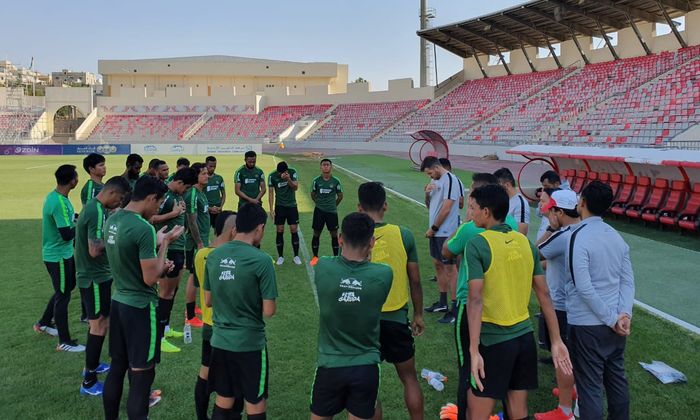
(475, 308)
(175, 212)
(154, 265)
(96, 245)
(237, 189)
(268, 287)
(271, 200)
(62, 220)
(339, 194)
(454, 245)
(293, 182)
(313, 191)
(521, 216)
(263, 190)
(626, 296)
(579, 262)
(192, 219)
(222, 189)
(206, 285)
(444, 212)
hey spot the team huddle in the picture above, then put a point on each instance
(138, 233)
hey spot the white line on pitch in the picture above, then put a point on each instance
(659, 313)
(43, 166)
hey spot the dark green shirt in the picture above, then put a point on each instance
(196, 202)
(478, 255)
(350, 297)
(215, 189)
(130, 239)
(285, 196)
(90, 190)
(326, 193)
(169, 203)
(57, 213)
(90, 228)
(250, 180)
(239, 277)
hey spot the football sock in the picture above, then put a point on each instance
(454, 308)
(295, 243)
(260, 416)
(139, 393)
(443, 298)
(190, 310)
(334, 244)
(114, 385)
(201, 398)
(315, 241)
(280, 244)
(222, 413)
(93, 349)
(163, 313)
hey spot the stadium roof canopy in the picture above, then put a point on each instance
(541, 23)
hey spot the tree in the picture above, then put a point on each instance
(360, 80)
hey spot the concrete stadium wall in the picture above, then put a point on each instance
(628, 45)
(58, 97)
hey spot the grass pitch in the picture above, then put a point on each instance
(40, 383)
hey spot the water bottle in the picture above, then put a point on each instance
(434, 379)
(187, 334)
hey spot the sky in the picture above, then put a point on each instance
(376, 38)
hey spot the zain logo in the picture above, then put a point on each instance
(348, 297)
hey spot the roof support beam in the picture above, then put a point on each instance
(630, 11)
(519, 36)
(672, 24)
(681, 5)
(461, 41)
(563, 23)
(578, 47)
(558, 36)
(607, 40)
(446, 44)
(508, 47)
(639, 35)
(527, 58)
(481, 67)
(503, 61)
(589, 15)
(554, 55)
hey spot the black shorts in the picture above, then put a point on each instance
(240, 374)
(206, 345)
(396, 341)
(323, 218)
(288, 215)
(509, 366)
(189, 260)
(212, 220)
(97, 299)
(436, 243)
(62, 275)
(353, 388)
(177, 256)
(544, 332)
(133, 335)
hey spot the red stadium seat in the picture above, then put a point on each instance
(640, 195)
(592, 176)
(688, 219)
(579, 181)
(618, 206)
(649, 211)
(615, 182)
(674, 202)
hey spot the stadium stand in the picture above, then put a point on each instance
(361, 122)
(540, 118)
(656, 197)
(266, 125)
(626, 189)
(472, 102)
(668, 213)
(118, 127)
(14, 125)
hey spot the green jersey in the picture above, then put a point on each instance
(171, 200)
(215, 190)
(130, 239)
(57, 213)
(250, 180)
(132, 182)
(90, 190)
(285, 196)
(350, 297)
(326, 193)
(239, 277)
(170, 178)
(457, 244)
(196, 203)
(478, 258)
(90, 228)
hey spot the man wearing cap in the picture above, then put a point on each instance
(563, 217)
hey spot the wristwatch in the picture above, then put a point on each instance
(434, 228)
(549, 229)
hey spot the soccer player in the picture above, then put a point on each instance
(443, 203)
(57, 234)
(225, 231)
(599, 299)
(136, 268)
(216, 191)
(562, 215)
(395, 246)
(93, 276)
(327, 193)
(133, 169)
(181, 163)
(240, 287)
(153, 166)
(163, 171)
(283, 184)
(199, 225)
(517, 204)
(351, 292)
(94, 165)
(504, 267)
(171, 214)
(453, 248)
(250, 181)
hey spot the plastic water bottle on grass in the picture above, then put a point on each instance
(435, 379)
(187, 333)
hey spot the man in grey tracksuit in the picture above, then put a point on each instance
(599, 299)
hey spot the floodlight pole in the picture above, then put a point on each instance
(423, 44)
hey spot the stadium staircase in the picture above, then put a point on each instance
(192, 129)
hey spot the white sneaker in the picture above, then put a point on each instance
(45, 329)
(71, 347)
(280, 260)
(297, 260)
